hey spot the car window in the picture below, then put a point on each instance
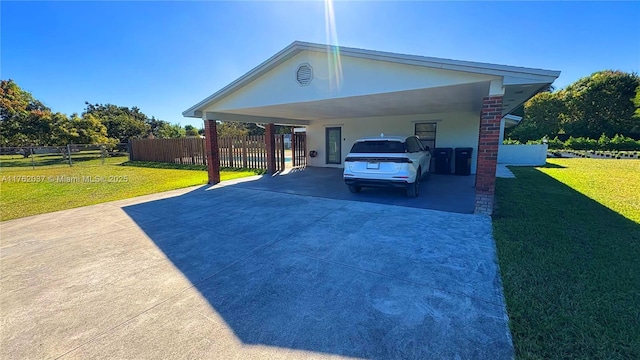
(412, 145)
(382, 146)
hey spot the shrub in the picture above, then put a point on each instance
(510, 141)
(603, 142)
(581, 143)
(624, 143)
(555, 143)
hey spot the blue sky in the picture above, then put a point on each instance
(165, 56)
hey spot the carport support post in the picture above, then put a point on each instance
(293, 147)
(488, 141)
(270, 146)
(213, 152)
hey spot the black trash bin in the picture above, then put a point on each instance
(463, 161)
(443, 160)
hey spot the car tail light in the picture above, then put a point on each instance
(379, 159)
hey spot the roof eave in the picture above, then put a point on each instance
(438, 63)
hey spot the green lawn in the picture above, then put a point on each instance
(91, 157)
(568, 239)
(25, 191)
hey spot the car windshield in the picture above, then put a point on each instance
(381, 146)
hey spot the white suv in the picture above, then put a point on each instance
(387, 161)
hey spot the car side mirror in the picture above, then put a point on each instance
(426, 148)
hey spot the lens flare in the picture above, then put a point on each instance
(333, 48)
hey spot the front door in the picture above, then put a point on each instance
(333, 145)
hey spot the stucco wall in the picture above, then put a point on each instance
(359, 77)
(453, 130)
(525, 155)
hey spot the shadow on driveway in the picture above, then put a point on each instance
(236, 273)
(440, 192)
(336, 277)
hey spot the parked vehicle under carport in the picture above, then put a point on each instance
(387, 161)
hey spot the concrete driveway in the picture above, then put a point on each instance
(450, 193)
(236, 273)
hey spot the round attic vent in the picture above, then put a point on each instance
(304, 74)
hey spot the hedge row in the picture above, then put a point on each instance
(618, 142)
(614, 154)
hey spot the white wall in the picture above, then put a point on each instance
(525, 155)
(359, 77)
(452, 130)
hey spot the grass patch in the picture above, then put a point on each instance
(38, 160)
(159, 165)
(568, 239)
(27, 191)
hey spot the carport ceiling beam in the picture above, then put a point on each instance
(253, 119)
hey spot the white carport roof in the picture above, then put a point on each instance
(516, 84)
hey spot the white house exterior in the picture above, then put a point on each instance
(454, 129)
(341, 94)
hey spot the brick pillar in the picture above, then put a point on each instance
(213, 152)
(488, 141)
(270, 145)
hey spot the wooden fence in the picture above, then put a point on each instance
(179, 151)
(243, 151)
(235, 152)
(299, 149)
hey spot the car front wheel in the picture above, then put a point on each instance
(354, 189)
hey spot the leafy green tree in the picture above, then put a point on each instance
(123, 127)
(190, 130)
(122, 123)
(541, 118)
(231, 129)
(601, 103)
(84, 130)
(164, 130)
(155, 125)
(243, 129)
(23, 119)
(61, 126)
(253, 129)
(280, 129)
(170, 131)
(636, 102)
(37, 128)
